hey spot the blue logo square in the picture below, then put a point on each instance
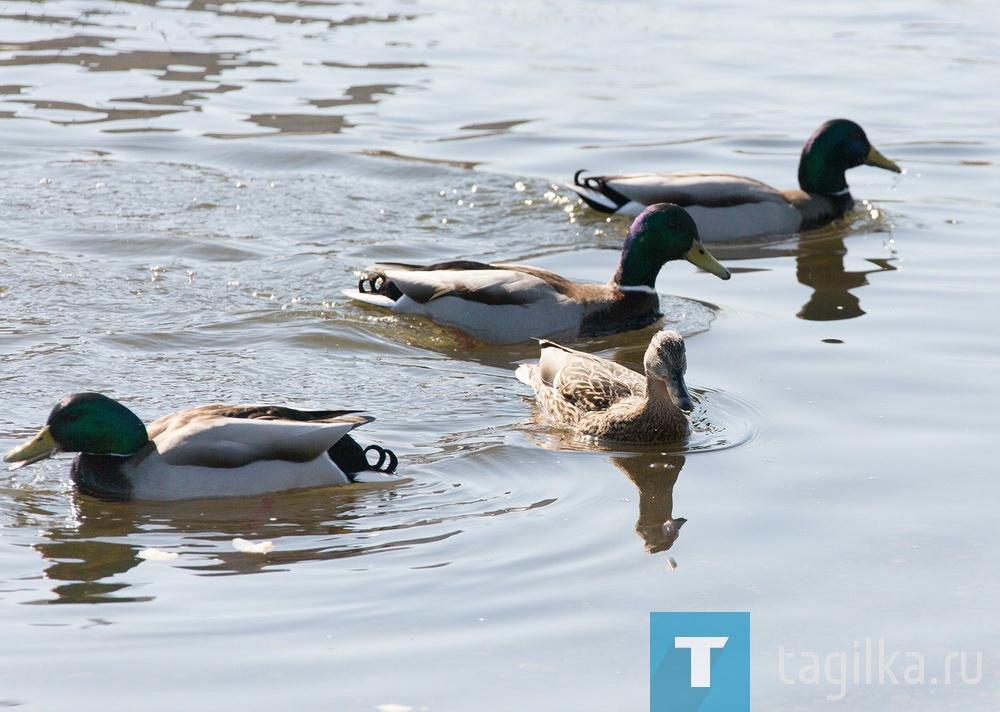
(699, 662)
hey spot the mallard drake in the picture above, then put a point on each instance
(729, 207)
(508, 303)
(607, 401)
(208, 451)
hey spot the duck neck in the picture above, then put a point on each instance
(638, 267)
(659, 411)
(822, 170)
(658, 397)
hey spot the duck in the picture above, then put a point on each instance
(503, 303)
(606, 401)
(729, 207)
(214, 450)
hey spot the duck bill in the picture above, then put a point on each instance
(700, 257)
(874, 158)
(38, 448)
(679, 393)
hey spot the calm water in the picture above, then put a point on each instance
(186, 189)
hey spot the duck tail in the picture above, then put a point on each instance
(596, 193)
(375, 282)
(351, 458)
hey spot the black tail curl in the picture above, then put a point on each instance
(598, 184)
(378, 283)
(371, 282)
(383, 455)
(587, 182)
(351, 458)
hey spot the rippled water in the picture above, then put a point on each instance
(188, 187)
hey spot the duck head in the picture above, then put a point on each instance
(834, 148)
(663, 232)
(666, 360)
(84, 422)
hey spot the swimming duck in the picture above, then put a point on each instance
(729, 207)
(508, 303)
(208, 451)
(607, 401)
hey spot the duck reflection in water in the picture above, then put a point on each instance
(819, 265)
(88, 556)
(654, 475)
(91, 555)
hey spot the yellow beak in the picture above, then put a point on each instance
(874, 158)
(38, 448)
(700, 257)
